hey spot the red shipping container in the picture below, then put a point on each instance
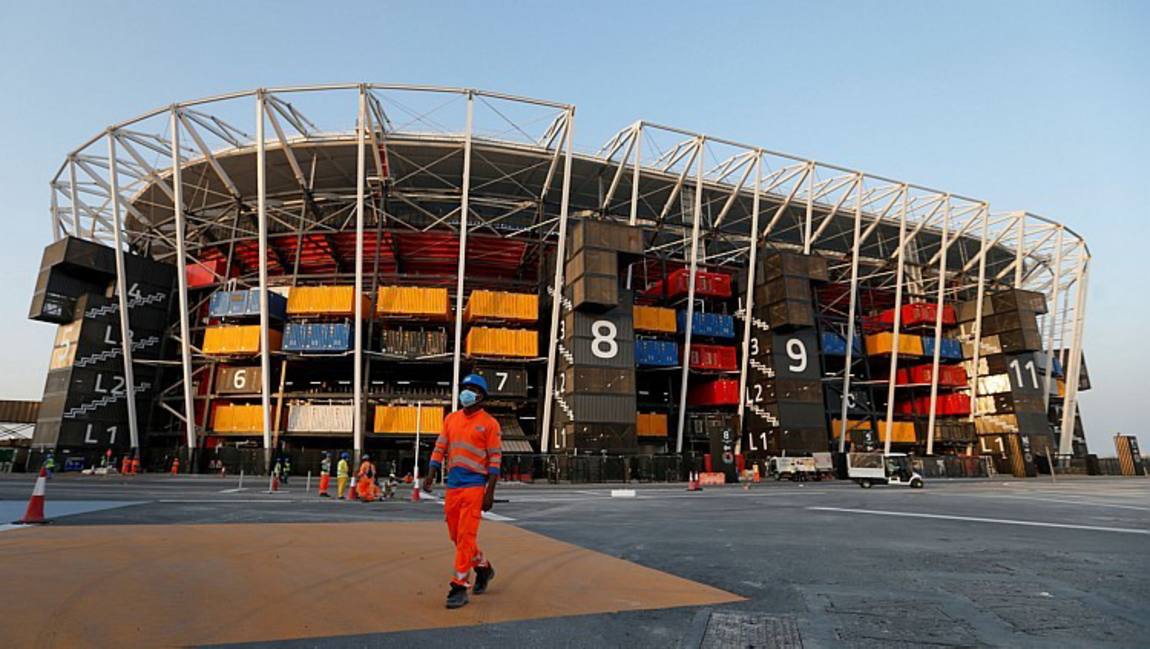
(201, 274)
(948, 405)
(948, 375)
(721, 392)
(913, 315)
(707, 284)
(714, 357)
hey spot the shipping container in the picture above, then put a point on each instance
(948, 375)
(413, 344)
(231, 379)
(581, 379)
(501, 306)
(502, 343)
(599, 408)
(883, 343)
(205, 273)
(237, 419)
(608, 235)
(593, 437)
(656, 353)
(413, 302)
(721, 358)
(616, 324)
(317, 337)
(720, 392)
(707, 284)
(834, 344)
(651, 424)
(245, 304)
(788, 314)
(316, 418)
(595, 291)
(655, 319)
(241, 340)
(326, 301)
(715, 325)
(951, 349)
(503, 382)
(601, 351)
(1129, 458)
(595, 261)
(797, 289)
(406, 420)
(1018, 300)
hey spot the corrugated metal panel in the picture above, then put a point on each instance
(238, 340)
(315, 418)
(501, 305)
(236, 418)
(19, 412)
(497, 342)
(413, 301)
(616, 323)
(413, 343)
(597, 380)
(653, 424)
(402, 420)
(325, 300)
(601, 408)
(655, 319)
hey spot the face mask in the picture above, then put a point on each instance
(468, 398)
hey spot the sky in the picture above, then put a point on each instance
(1039, 106)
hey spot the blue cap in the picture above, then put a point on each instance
(475, 381)
(344, 455)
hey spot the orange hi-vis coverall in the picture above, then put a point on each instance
(365, 486)
(470, 447)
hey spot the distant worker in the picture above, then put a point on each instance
(175, 466)
(471, 447)
(108, 462)
(365, 487)
(343, 473)
(126, 465)
(325, 475)
(49, 464)
(287, 469)
(135, 469)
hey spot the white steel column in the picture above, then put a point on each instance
(182, 277)
(122, 294)
(262, 214)
(939, 304)
(74, 194)
(1074, 364)
(1020, 250)
(1052, 316)
(686, 359)
(634, 218)
(899, 273)
(360, 171)
(980, 297)
(749, 302)
(810, 208)
(461, 269)
(844, 423)
(544, 425)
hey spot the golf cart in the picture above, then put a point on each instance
(868, 469)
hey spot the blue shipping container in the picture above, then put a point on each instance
(295, 337)
(951, 348)
(317, 337)
(656, 353)
(836, 345)
(715, 325)
(246, 304)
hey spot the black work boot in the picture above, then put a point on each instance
(457, 597)
(483, 576)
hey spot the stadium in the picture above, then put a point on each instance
(314, 268)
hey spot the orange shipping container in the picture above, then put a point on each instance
(234, 418)
(237, 341)
(902, 432)
(412, 302)
(401, 420)
(501, 305)
(883, 343)
(491, 341)
(652, 424)
(655, 318)
(325, 300)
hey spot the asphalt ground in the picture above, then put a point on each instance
(1003, 563)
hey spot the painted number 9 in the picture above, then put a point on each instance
(797, 352)
(603, 343)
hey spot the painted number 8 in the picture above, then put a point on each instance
(797, 352)
(603, 343)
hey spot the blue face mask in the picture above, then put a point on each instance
(468, 398)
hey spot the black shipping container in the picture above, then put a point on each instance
(783, 288)
(793, 355)
(581, 379)
(785, 264)
(591, 437)
(594, 291)
(1024, 340)
(790, 314)
(503, 382)
(599, 409)
(596, 261)
(798, 390)
(617, 323)
(601, 352)
(1018, 300)
(610, 235)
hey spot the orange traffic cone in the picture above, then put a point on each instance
(757, 476)
(351, 495)
(34, 515)
(415, 493)
(175, 466)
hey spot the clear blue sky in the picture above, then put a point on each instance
(1030, 105)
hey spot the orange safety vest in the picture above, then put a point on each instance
(472, 442)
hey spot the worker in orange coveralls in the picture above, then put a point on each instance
(470, 447)
(365, 488)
